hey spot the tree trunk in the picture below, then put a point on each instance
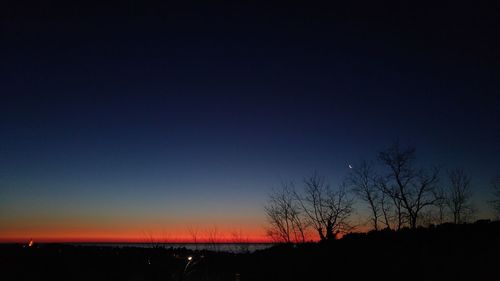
(330, 236)
(321, 235)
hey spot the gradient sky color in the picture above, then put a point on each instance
(121, 121)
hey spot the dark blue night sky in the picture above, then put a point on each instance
(154, 117)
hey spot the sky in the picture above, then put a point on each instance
(126, 121)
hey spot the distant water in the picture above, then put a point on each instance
(221, 247)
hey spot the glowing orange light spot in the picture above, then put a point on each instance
(30, 244)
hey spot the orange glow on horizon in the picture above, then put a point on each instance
(122, 235)
(95, 236)
(139, 231)
(100, 239)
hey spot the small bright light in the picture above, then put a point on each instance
(350, 166)
(30, 244)
(190, 258)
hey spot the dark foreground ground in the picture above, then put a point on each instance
(446, 252)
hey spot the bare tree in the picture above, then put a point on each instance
(362, 181)
(391, 204)
(495, 184)
(193, 232)
(284, 216)
(214, 238)
(414, 189)
(441, 205)
(385, 208)
(240, 241)
(154, 241)
(458, 196)
(326, 209)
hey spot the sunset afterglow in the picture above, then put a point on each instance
(132, 128)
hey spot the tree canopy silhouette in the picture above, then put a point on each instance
(412, 189)
(458, 196)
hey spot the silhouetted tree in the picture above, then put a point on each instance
(193, 232)
(284, 216)
(458, 196)
(385, 208)
(362, 181)
(391, 203)
(214, 237)
(326, 209)
(440, 205)
(495, 184)
(240, 240)
(411, 188)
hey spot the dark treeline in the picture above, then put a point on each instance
(395, 191)
(444, 252)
